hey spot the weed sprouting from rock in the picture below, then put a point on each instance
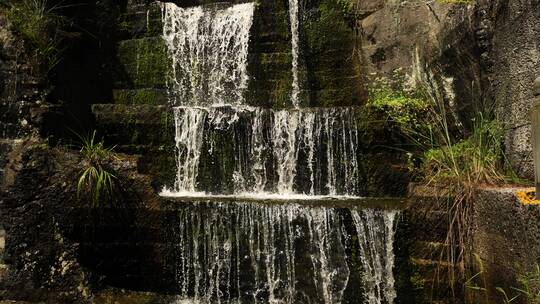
(96, 179)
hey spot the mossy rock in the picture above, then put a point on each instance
(142, 63)
(332, 72)
(141, 96)
(135, 125)
(141, 20)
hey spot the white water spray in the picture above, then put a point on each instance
(286, 152)
(294, 20)
(259, 241)
(208, 46)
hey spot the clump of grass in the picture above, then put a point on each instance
(530, 285)
(96, 179)
(475, 160)
(39, 22)
(529, 290)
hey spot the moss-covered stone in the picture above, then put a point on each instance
(143, 63)
(141, 96)
(141, 20)
(270, 56)
(134, 125)
(332, 73)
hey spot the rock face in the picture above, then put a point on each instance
(506, 240)
(514, 63)
(41, 263)
(20, 84)
(477, 55)
(56, 248)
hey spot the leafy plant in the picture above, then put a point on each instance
(404, 108)
(95, 179)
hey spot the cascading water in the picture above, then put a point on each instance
(209, 50)
(293, 16)
(313, 151)
(268, 253)
(264, 253)
(299, 151)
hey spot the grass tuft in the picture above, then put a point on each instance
(39, 22)
(96, 179)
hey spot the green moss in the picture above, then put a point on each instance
(329, 56)
(140, 96)
(281, 93)
(143, 63)
(326, 27)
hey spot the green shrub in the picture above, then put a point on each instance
(96, 179)
(453, 160)
(406, 109)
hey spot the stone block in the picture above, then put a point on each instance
(142, 63)
(140, 96)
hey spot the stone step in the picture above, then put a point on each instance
(141, 96)
(134, 124)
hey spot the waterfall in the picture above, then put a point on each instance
(375, 236)
(226, 147)
(260, 253)
(294, 20)
(237, 252)
(309, 151)
(208, 46)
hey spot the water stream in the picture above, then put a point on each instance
(295, 23)
(309, 151)
(228, 250)
(283, 253)
(209, 50)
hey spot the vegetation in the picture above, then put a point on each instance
(96, 179)
(527, 292)
(530, 285)
(451, 162)
(406, 109)
(39, 21)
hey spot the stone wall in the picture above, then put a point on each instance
(506, 238)
(514, 63)
(423, 231)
